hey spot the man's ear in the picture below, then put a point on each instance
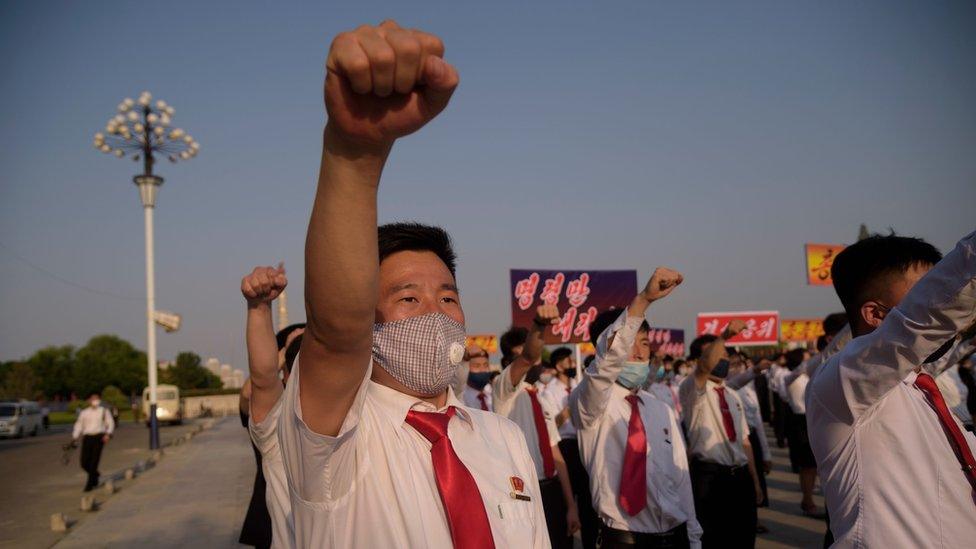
(873, 313)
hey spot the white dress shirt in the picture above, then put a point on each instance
(558, 395)
(750, 403)
(93, 420)
(707, 439)
(277, 497)
(602, 416)
(777, 380)
(469, 395)
(890, 476)
(666, 392)
(796, 393)
(373, 484)
(513, 402)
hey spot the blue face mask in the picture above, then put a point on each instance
(660, 375)
(721, 370)
(634, 374)
(478, 380)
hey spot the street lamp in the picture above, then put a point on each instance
(141, 129)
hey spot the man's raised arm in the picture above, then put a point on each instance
(382, 83)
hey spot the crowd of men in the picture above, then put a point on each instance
(388, 432)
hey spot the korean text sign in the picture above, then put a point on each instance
(762, 327)
(579, 295)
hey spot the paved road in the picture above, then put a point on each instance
(34, 484)
(195, 497)
(787, 525)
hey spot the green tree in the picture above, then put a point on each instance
(19, 382)
(113, 396)
(53, 368)
(108, 360)
(188, 373)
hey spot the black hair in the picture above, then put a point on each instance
(668, 358)
(292, 351)
(821, 343)
(834, 323)
(559, 354)
(416, 237)
(605, 319)
(794, 358)
(858, 269)
(695, 349)
(282, 336)
(514, 337)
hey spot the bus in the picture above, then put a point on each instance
(168, 407)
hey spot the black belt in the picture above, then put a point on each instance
(624, 537)
(711, 467)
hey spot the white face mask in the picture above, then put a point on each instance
(545, 378)
(421, 352)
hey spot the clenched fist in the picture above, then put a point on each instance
(662, 283)
(264, 284)
(385, 82)
(735, 327)
(546, 315)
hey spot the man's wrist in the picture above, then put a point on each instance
(336, 144)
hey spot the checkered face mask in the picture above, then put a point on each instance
(421, 352)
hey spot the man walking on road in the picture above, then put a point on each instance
(94, 425)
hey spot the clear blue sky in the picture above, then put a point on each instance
(715, 138)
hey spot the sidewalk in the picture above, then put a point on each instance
(195, 497)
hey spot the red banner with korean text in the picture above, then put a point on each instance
(669, 341)
(579, 295)
(801, 330)
(487, 342)
(762, 327)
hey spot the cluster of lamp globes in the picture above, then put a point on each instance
(141, 120)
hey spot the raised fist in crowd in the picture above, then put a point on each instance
(662, 283)
(264, 284)
(384, 82)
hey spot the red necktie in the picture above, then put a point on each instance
(957, 441)
(726, 414)
(633, 477)
(548, 465)
(462, 501)
(484, 400)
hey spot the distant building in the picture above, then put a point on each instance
(164, 364)
(213, 365)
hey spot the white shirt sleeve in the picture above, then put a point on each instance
(503, 392)
(740, 380)
(685, 496)
(938, 307)
(265, 433)
(76, 432)
(109, 421)
(589, 400)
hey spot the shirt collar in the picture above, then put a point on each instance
(620, 392)
(395, 404)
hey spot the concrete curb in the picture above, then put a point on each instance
(60, 522)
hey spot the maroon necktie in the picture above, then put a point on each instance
(484, 400)
(957, 441)
(545, 447)
(726, 414)
(633, 476)
(462, 501)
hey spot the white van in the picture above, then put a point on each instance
(18, 418)
(168, 407)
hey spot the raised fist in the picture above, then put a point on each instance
(546, 315)
(385, 82)
(264, 284)
(662, 282)
(734, 328)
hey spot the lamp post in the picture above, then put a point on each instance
(141, 129)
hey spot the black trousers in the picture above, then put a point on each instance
(91, 453)
(675, 538)
(725, 504)
(580, 480)
(256, 530)
(758, 457)
(761, 384)
(779, 419)
(554, 507)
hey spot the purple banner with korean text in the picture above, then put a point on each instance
(579, 295)
(669, 341)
